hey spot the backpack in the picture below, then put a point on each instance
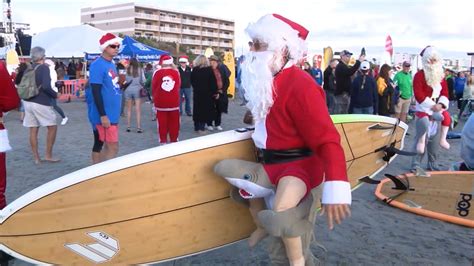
(27, 88)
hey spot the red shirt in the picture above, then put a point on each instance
(9, 99)
(165, 89)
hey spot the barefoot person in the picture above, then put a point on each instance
(38, 110)
(297, 144)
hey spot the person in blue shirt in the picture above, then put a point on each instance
(107, 96)
(317, 74)
(459, 84)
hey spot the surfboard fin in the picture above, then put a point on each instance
(399, 184)
(400, 152)
(379, 127)
(368, 180)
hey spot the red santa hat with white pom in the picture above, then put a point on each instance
(166, 60)
(183, 59)
(108, 39)
(279, 32)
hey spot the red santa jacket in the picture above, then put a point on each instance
(426, 96)
(165, 89)
(9, 100)
(299, 119)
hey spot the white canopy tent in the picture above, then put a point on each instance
(67, 42)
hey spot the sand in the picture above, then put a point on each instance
(376, 234)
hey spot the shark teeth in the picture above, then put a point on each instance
(244, 194)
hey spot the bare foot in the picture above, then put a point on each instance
(256, 236)
(51, 160)
(37, 161)
(444, 144)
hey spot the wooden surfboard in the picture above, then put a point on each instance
(446, 196)
(162, 203)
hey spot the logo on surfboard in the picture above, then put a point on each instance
(101, 251)
(464, 204)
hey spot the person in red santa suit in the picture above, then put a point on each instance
(165, 89)
(9, 100)
(298, 146)
(432, 100)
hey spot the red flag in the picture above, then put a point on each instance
(388, 45)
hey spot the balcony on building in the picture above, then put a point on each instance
(146, 16)
(166, 18)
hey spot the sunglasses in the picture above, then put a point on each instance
(114, 46)
(258, 46)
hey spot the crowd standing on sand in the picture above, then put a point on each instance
(269, 81)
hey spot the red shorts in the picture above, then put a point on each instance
(109, 134)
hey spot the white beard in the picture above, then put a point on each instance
(433, 73)
(257, 81)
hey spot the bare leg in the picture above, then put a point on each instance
(138, 112)
(403, 117)
(290, 191)
(442, 140)
(110, 150)
(256, 205)
(421, 144)
(34, 143)
(129, 111)
(50, 139)
(95, 157)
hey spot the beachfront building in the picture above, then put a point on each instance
(195, 31)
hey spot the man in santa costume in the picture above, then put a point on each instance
(298, 147)
(432, 102)
(165, 89)
(9, 100)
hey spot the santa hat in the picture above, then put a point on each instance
(183, 59)
(277, 32)
(166, 60)
(429, 52)
(107, 40)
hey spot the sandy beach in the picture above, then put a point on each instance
(376, 234)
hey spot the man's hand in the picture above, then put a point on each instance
(336, 212)
(437, 107)
(104, 120)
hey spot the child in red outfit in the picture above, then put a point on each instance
(165, 89)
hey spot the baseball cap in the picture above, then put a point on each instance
(213, 58)
(365, 65)
(406, 64)
(345, 52)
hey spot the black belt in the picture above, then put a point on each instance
(405, 98)
(265, 156)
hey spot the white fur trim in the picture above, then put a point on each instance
(277, 34)
(109, 42)
(336, 192)
(167, 62)
(436, 91)
(425, 106)
(444, 100)
(4, 143)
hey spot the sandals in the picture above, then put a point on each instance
(139, 130)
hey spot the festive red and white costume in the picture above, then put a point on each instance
(426, 97)
(165, 89)
(299, 118)
(8, 100)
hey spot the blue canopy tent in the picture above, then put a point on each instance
(131, 48)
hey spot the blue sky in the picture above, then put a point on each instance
(341, 24)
